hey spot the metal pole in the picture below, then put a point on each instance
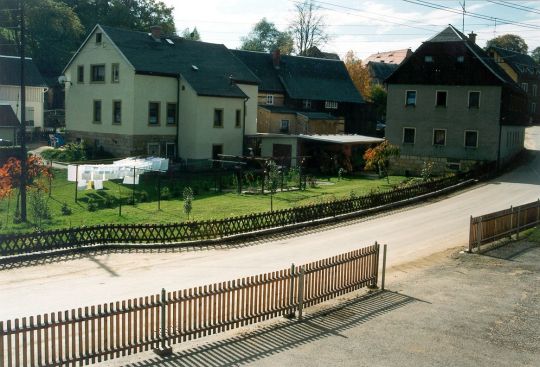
(159, 192)
(301, 294)
(133, 190)
(76, 181)
(537, 211)
(24, 166)
(383, 267)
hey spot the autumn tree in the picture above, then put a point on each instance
(265, 37)
(359, 74)
(308, 27)
(510, 42)
(378, 158)
(10, 174)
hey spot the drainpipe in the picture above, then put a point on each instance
(178, 80)
(244, 127)
(499, 148)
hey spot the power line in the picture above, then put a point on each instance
(515, 6)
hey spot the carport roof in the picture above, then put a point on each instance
(329, 138)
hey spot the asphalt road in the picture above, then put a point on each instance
(411, 234)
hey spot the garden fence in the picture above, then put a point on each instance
(97, 333)
(504, 223)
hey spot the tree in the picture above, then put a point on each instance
(378, 98)
(510, 42)
(10, 174)
(379, 158)
(308, 28)
(274, 176)
(535, 54)
(187, 196)
(265, 37)
(359, 74)
(191, 35)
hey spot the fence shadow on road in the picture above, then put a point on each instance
(285, 335)
(510, 250)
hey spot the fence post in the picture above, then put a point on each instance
(537, 211)
(479, 234)
(518, 222)
(511, 220)
(301, 294)
(164, 349)
(290, 315)
(470, 234)
(383, 267)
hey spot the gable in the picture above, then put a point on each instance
(10, 72)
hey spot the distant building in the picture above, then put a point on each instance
(525, 72)
(9, 126)
(453, 105)
(315, 52)
(389, 57)
(379, 71)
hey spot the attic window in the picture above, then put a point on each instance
(428, 58)
(461, 59)
(169, 41)
(331, 105)
(98, 38)
(194, 67)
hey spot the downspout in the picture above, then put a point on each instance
(244, 127)
(178, 79)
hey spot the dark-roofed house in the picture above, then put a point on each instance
(138, 93)
(525, 72)
(302, 96)
(380, 71)
(9, 124)
(10, 81)
(450, 103)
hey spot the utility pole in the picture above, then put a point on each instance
(463, 19)
(24, 168)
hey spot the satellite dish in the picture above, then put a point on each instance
(62, 79)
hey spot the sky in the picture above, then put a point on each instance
(364, 26)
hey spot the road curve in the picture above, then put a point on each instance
(410, 233)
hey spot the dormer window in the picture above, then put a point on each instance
(99, 37)
(460, 59)
(331, 105)
(270, 99)
(428, 58)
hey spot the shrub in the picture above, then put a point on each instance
(143, 196)
(65, 209)
(92, 205)
(165, 193)
(39, 207)
(188, 200)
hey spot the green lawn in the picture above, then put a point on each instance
(207, 204)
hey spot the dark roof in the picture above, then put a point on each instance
(8, 117)
(477, 67)
(302, 77)
(315, 52)
(10, 72)
(381, 70)
(521, 63)
(278, 109)
(207, 67)
(318, 115)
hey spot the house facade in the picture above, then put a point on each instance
(449, 103)
(9, 126)
(136, 93)
(525, 72)
(10, 88)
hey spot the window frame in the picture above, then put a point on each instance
(306, 104)
(174, 104)
(99, 38)
(437, 92)
(281, 124)
(222, 118)
(80, 74)
(407, 104)
(428, 58)
(114, 102)
(158, 119)
(465, 139)
(533, 107)
(469, 99)
(115, 66)
(525, 87)
(95, 103)
(167, 144)
(92, 73)
(403, 135)
(445, 136)
(238, 118)
(331, 105)
(534, 90)
(158, 148)
(269, 99)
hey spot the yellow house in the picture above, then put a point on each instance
(138, 93)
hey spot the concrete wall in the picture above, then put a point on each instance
(9, 95)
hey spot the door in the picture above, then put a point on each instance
(282, 154)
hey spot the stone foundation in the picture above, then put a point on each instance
(412, 165)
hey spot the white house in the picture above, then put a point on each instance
(138, 93)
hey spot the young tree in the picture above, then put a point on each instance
(274, 176)
(379, 158)
(265, 37)
(308, 28)
(359, 74)
(187, 196)
(510, 42)
(191, 35)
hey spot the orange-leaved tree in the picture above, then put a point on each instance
(378, 157)
(359, 74)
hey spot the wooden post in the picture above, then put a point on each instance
(537, 211)
(383, 267)
(291, 292)
(164, 349)
(518, 222)
(301, 294)
(511, 220)
(470, 234)
(479, 234)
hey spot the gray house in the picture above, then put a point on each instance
(453, 105)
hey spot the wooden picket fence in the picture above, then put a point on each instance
(504, 223)
(98, 333)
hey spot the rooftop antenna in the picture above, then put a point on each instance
(463, 16)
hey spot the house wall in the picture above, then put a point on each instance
(455, 118)
(8, 133)
(279, 99)
(252, 92)
(306, 126)
(512, 141)
(268, 122)
(267, 146)
(10, 94)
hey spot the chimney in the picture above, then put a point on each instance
(276, 58)
(155, 32)
(472, 37)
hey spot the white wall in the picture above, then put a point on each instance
(252, 91)
(9, 95)
(512, 140)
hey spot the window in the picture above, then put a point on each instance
(440, 98)
(269, 99)
(153, 113)
(238, 118)
(98, 73)
(331, 105)
(306, 103)
(439, 137)
(99, 38)
(97, 111)
(474, 99)
(534, 90)
(29, 116)
(533, 107)
(171, 113)
(218, 117)
(115, 73)
(153, 149)
(284, 128)
(471, 139)
(409, 135)
(170, 150)
(460, 59)
(410, 98)
(525, 86)
(428, 58)
(80, 74)
(117, 112)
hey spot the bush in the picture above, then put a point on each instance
(92, 205)
(72, 152)
(65, 209)
(143, 196)
(165, 193)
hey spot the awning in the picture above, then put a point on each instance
(342, 139)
